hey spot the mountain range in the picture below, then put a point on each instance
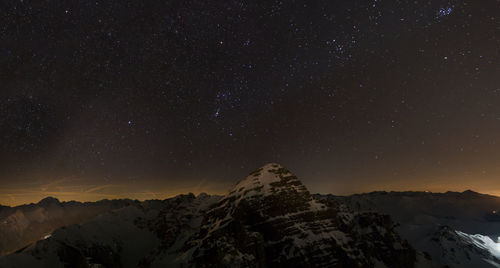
(269, 219)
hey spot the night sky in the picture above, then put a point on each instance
(148, 99)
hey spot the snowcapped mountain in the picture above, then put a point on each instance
(269, 219)
(454, 229)
(23, 225)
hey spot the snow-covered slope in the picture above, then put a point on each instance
(459, 249)
(455, 229)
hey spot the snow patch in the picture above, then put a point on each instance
(482, 242)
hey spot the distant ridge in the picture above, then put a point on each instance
(25, 224)
(53, 200)
(381, 192)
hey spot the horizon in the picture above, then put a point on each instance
(61, 189)
(197, 194)
(144, 196)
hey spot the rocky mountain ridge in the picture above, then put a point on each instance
(269, 219)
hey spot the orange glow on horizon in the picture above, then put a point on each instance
(84, 190)
(19, 192)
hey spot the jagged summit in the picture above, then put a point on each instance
(273, 184)
(271, 178)
(270, 191)
(261, 174)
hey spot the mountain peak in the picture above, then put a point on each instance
(269, 191)
(470, 192)
(269, 179)
(269, 166)
(48, 201)
(270, 219)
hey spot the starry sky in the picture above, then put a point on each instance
(148, 99)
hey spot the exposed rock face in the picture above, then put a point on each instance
(268, 219)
